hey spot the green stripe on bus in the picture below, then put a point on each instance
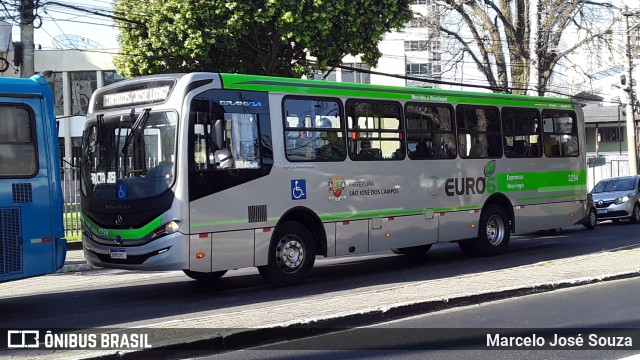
(389, 212)
(580, 195)
(330, 88)
(353, 215)
(547, 181)
(229, 222)
(126, 234)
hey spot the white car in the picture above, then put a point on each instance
(618, 198)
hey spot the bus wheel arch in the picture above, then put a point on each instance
(494, 229)
(505, 203)
(291, 255)
(312, 222)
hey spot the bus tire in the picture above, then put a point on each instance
(468, 247)
(292, 254)
(204, 276)
(493, 233)
(414, 252)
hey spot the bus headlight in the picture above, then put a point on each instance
(168, 228)
(622, 199)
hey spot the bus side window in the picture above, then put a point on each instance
(313, 129)
(479, 131)
(521, 130)
(560, 133)
(375, 130)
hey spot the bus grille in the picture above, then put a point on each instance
(257, 213)
(22, 193)
(10, 241)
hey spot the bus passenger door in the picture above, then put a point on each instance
(393, 232)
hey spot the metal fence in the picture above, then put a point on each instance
(611, 166)
(71, 192)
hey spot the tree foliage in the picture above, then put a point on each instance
(506, 46)
(267, 37)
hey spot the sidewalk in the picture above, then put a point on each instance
(240, 327)
(74, 260)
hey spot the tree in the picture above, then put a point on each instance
(269, 37)
(507, 40)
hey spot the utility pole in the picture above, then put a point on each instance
(534, 43)
(26, 37)
(631, 123)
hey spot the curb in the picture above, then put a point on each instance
(77, 267)
(237, 339)
(74, 265)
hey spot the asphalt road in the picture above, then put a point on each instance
(591, 310)
(115, 298)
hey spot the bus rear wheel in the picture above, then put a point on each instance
(493, 233)
(203, 276)
(414, 252)
(291, 255)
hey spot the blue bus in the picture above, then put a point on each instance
(31, 204)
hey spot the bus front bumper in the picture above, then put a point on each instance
(171, 252)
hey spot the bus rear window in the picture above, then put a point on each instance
(560, 133)
(17, 145)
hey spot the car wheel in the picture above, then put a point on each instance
(292, 254)
(635, 216)
(592, 219)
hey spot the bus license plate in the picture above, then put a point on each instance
(602, 211)
(118, 253)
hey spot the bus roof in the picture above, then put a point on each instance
(332, 88)
(23, 86)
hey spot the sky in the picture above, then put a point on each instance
(62, 22)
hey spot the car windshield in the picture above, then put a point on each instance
(610, 185)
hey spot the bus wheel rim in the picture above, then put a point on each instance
(495, 230)
(290, 254)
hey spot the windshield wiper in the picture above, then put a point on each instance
(118, 141)
(100, 142)
(138, 124)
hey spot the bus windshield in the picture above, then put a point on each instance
(129, 156)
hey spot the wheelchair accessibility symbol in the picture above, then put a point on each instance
(122, 191)
(298, 189)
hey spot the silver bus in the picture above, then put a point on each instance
(208, 172)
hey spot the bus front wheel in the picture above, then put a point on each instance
(203, 276)
(292, 254)
(493, 233)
